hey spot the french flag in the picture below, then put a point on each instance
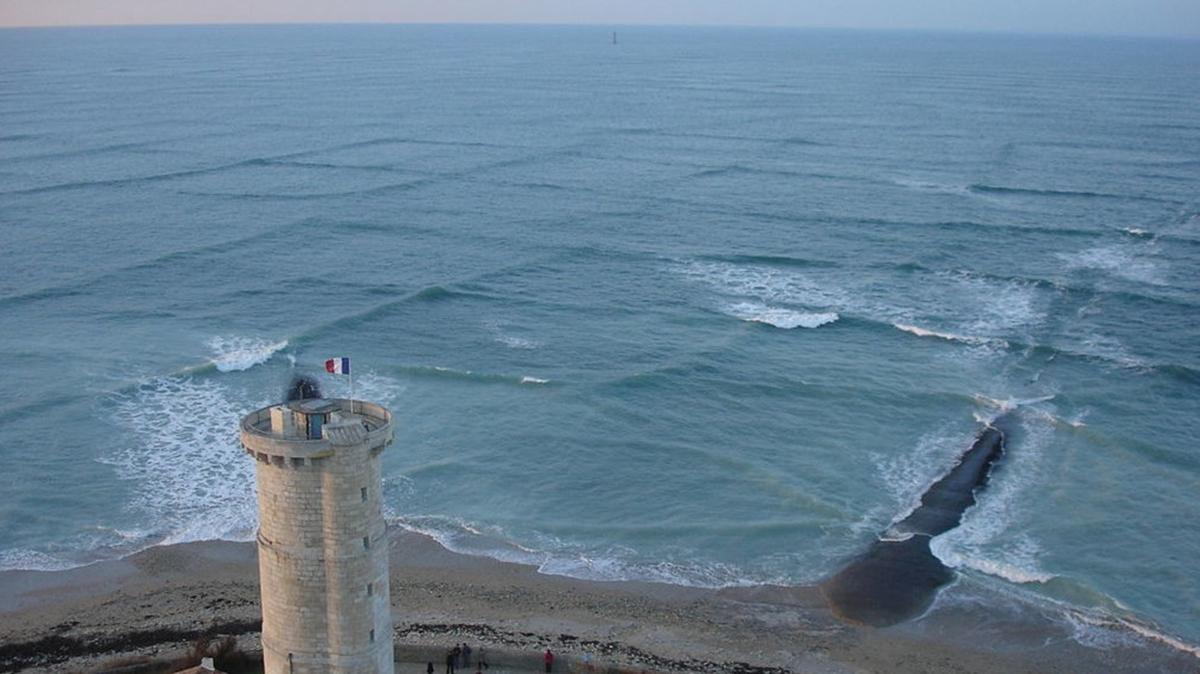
(338, 365)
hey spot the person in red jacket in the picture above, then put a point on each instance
(548, 658)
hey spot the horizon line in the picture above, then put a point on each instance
(551, 24)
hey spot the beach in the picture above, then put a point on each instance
(158, 601)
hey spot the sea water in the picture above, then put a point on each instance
(707, 306)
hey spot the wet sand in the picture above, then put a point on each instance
(156, 602)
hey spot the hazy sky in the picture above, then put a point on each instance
(1141, 17)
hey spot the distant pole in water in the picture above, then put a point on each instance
(614, 37)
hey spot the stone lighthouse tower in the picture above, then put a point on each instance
(322, 546)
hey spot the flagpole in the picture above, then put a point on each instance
(351, 363)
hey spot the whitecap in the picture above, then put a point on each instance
(234, 354)
(534, 380)
(765, 284)
(1008, 404)
(893, 535)
(948, 336)
(1138, 232)
(781, 318)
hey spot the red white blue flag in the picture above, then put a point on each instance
(338, 365)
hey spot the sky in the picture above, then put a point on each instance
(1122, 17)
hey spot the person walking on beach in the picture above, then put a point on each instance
(548, 658)
(429, 668)
(466, 656)
(456, 655)
(481, 658)
(449, 662)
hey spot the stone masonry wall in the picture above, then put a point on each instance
(323, 563)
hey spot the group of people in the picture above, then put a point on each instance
(459, 657)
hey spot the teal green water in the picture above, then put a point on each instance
(707, 306)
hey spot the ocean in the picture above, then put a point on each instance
(706, 306)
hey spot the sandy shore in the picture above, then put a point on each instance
(159, 600)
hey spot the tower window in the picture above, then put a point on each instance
(372, 636)
(370, 589)
(367, 542)
(363, 491)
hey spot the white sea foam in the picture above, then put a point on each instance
(1008, 404)
(1093, 631)
(1001, 405)
(980, 312)
(1100, 630)
(458, 535)
(759, 290)
(985, 540)
(991, 307)
(368, 385)
(614, 565)
(232, 354)
(554, 556)
(32, 560)
(1138, 232)
(1155, 635)
(966, 339)
(766, 284)
(534, 380)
(1021, 571)
(502, 336)
(1123, 261)
(1109, 348)
(188, 472)
(1060, 421)
(780, 318)
(907, 475)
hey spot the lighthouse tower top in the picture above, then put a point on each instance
(315, 428)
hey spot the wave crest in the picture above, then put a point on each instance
(235, 354)
(949, 336)
(786, 319)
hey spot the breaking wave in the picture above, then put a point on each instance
(235, 354)
(989, 540)
(948, 336)
(786, 319)
(190, 476)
